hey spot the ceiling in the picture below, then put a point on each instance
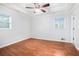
(54, 7)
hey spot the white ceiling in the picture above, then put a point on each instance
(54, 7)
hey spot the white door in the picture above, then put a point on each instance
(76, 30)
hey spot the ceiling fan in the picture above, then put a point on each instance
(37, 7)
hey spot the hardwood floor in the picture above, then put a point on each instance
(38, 47)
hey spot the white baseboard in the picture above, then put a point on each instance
(77, 48)
(19, 39)
(51, 39)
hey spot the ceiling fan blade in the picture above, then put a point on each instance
(30, 7)
(46, 5)
(43, 10)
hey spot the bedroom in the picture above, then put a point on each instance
(24, 22)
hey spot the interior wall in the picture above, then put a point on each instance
(20, 27)
(43, 26)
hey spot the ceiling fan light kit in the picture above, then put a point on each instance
(37, 12)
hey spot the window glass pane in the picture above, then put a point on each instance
(4, 21)
(59, 22)
(4, 25)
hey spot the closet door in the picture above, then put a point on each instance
(76, 30)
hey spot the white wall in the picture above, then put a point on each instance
(43, 27)
(20, 27)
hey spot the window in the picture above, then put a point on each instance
(59, 22)
(5, 21)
